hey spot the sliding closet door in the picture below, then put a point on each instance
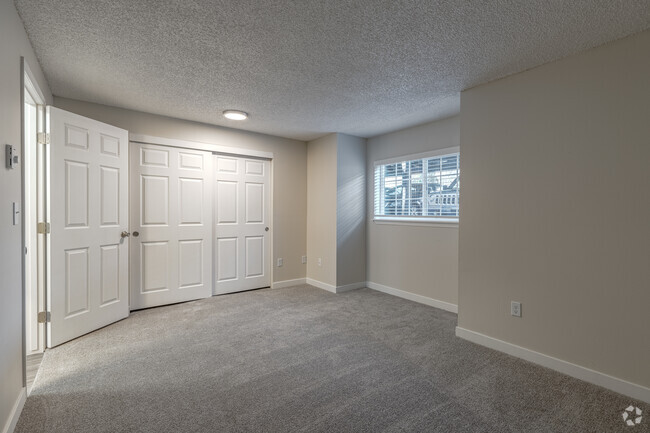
(171, 223)
(242, 230)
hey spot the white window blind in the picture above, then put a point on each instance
(424, 187)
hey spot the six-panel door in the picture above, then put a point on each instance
(88, 199)
(171, 213)
(241, 229)
(176, 247)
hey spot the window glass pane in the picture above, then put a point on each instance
(401, 169)
(434, 164)
(389, 208)
(417, 179)
(415, 208)
(389, 170)
(421, 187)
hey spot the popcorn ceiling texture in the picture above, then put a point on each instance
(305, 68)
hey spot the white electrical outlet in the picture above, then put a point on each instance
(320, 262)
(304, 259)
(280, 262)
(515, 309)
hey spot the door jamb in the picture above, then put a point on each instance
(28, 83)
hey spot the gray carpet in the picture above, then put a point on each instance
(302, 359)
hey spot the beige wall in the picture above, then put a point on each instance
(422, 260)
(289, 170)
(13, 45)
(321, 209)
(351, 210)
(555, 209)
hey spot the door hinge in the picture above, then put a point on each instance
(43, 228)
(43, 316)
(43, 138)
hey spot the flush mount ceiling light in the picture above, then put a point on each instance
(235, 115)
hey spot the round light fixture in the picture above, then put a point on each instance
(235, 115)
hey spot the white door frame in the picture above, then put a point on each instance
(220, 149)
(29, 88)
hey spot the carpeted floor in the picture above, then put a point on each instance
(303, 359)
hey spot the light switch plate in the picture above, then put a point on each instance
(11, 156)
(16, 211)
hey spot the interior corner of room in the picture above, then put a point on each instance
(542, 254)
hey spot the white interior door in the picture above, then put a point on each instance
(242, 203)
(88, 197)
(171, 202)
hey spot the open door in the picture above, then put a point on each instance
(88, 248)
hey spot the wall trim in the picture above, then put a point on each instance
(288, 283)
(453, 308)
(321, 285)
(352, 286)
(335, 289)
(10, 425)
(612, 383)
(416, 222)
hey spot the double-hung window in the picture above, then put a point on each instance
(423, 187)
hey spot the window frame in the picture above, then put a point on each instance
(435, 221)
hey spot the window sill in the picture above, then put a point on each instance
(415, 221)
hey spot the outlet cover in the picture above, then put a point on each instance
(320, 262)
(304, 259)
(280, 262)
(515, 309)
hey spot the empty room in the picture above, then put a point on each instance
(248, 216)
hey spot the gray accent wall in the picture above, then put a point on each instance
(351, 210)
(555, 209)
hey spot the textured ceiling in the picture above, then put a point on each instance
(304, 68)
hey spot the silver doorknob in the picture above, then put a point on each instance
(266, 229)
(125, 234)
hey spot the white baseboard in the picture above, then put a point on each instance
(336, 289)
(10, 425)
(615, 384)
(288, 283)
(348, 287)
(321, 285)
(413, 297)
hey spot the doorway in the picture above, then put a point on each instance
(33, 174)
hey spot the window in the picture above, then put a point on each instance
(422, 187)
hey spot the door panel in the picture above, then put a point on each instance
(110, 259)
(254, 256)
(171, 198)
(242, 246)
(88, 196)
